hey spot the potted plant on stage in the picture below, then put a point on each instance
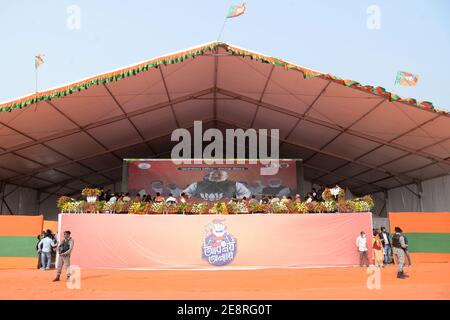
(300, 207)
(61, 203)
(91, 194)
(136, 208)
(219, 208)
(199, 208)
(345, 206)
(182, 207)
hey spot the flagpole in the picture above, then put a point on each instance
(223, 27)
(36, 86)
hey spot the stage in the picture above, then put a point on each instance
(247, 241)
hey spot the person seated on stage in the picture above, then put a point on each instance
(147, 198)
(253, 200)
(243, 200)
(127, 197)
(265, 199)
(297, 198)
(309, 197)
(108, 195)
(137, 198)
(158, 198)
(171, 200)
(314, 194)
(113, 198)
(182, 198)
(285, 200)
(274, 199)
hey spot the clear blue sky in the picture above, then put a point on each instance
(329, 36)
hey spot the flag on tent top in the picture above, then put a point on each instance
(406, 79)
(38, 60)
(236, 11)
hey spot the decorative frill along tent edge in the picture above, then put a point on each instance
(195, 52)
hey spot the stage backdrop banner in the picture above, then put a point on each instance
(216, 241)
(426, 231)
(209, 182)
(18, 239)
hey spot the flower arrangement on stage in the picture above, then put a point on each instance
(157, 207)
(62, 201)
(345, 206)
(299, 207)
(91, 192)
(199, 208)
(327, 194)
(69, 205)
(182, 207)
(171, 208)
(219, 208)
(331, 206)
(136, 208)
(279, 207)
(238, 207)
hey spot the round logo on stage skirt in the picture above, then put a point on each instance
(219, 246)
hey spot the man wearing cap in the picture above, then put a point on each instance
(65, 250)
(398, 247)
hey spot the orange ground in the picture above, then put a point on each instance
(429, 279)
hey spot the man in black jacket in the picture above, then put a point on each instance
(385, 238)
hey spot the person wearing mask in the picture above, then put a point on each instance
(398, 247)
(361, 245)
(45, 249)
(64, 249)
(385, 238)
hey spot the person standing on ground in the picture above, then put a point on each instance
(45, 249)
(398, 247)
(406, 251)
(385, 238)
(361, 245)
(377, 250)
(65, 250)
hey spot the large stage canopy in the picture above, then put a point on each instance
(361, 137)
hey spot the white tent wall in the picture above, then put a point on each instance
(380, 207)
(48, 206)
(20, 200)
(435, 196)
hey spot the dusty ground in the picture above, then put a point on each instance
(429, 279)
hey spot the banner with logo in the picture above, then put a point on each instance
(209, 182)
(216, 241)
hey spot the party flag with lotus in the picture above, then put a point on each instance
(38, 60)
(406, 79)
(236, 11)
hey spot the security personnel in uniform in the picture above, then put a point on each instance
(399, 245)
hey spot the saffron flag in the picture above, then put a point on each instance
(38, 60)
(236, 11)
(406, 79)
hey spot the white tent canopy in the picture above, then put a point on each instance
(361, 137)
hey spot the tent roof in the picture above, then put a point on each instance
(362, 137)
